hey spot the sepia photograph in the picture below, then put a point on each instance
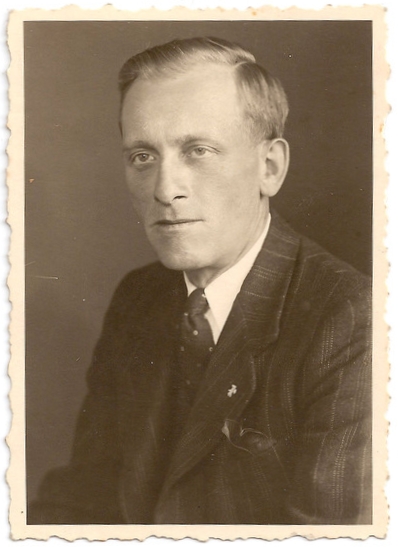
(199, 253)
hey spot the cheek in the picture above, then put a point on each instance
(235, 192)
(139, 188)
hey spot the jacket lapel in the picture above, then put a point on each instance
(230, 379)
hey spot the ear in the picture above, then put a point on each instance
(275, 157)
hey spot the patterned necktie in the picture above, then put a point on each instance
(196, 340)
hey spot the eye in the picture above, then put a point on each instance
(142, 158)
(199, 152)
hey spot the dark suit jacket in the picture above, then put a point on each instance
(292, 445)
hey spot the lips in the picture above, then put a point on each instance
(176, 222)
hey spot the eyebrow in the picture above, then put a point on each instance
(190, 139)
(138, 144)
(179, 141)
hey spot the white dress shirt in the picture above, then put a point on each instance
(221, 292)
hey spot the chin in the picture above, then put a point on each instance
(180, 263)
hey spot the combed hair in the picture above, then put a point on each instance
(264, 100)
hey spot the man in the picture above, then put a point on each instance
(248, 402)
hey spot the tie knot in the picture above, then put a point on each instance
(197, 303)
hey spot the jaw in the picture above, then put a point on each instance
(186, 255)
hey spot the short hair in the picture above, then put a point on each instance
(264, 100)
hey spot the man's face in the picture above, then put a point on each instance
(193, 172)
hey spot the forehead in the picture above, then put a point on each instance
(204, 94)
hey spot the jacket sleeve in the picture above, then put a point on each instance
(332, 481)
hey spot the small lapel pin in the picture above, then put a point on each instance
(232, 390)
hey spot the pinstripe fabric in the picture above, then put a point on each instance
(280, 428)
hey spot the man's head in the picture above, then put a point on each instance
(202, 126)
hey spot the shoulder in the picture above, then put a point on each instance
(324, 293)
(319, 272)
(146, 279)
(139, 288)
(338, 284)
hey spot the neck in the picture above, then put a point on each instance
(202, 278)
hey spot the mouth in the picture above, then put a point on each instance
(180, 222)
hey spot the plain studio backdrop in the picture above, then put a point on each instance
(82, 234)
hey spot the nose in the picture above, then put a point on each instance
(171, 183)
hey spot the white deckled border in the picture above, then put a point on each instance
(16, 437)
